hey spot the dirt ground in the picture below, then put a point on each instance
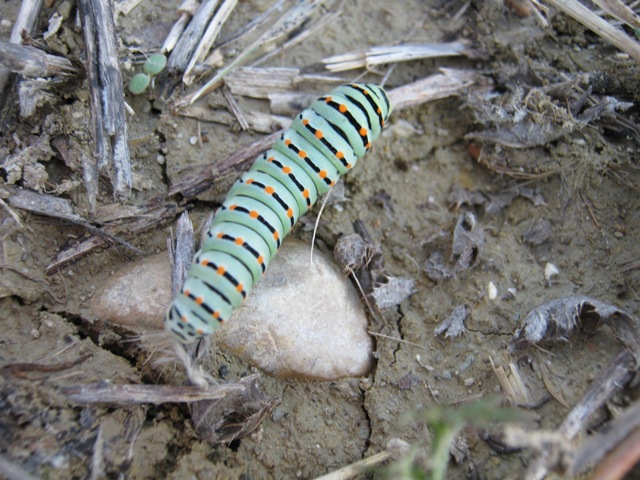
(581, 185)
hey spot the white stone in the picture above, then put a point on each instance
(550, 271)
(137, 295)
(492, 291)
(302, 320)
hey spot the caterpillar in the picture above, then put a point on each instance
(324, 142)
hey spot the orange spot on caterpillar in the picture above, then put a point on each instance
(220, 235)
(342, 108)
(240, 288)
(305, 193)
(200, 331)
(305, 121)
(216, 314)
(233, 207)
(328, 99)
(253, 214)
(368, 146)
(286, 170)
(221, 270)
(186, 293)
(302, 154)
(319, 134)
(339, 155)
(378, 111)
(323, 174)
(184, 319)
(275, 235)
(271, 159)
(204, 262)
(363, 132)
(199, 300)
(332, 183)
(260, 259)
(287, 142)
(269, 190)
(249, 181)
(290, 213)
(349, 165)
(239, 241)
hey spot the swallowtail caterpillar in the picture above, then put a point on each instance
(324, 141)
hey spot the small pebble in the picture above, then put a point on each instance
(492, 291)
(550, 271)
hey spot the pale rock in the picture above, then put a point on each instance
(137, 295)
(302, 320)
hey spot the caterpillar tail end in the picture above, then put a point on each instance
(181, 327)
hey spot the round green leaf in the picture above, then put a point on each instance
(139, 83)
(155, 64)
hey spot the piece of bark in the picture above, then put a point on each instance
(108, 113)
(26, 19)
(33, 62)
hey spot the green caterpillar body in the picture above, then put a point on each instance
(324, 141)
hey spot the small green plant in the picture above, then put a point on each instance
(153, 66)
(445, 423)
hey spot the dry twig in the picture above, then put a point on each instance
(156, 394)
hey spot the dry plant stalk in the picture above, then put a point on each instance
(33, 62)
(208, 38)
(286, 24)
(26, 19)
(188, 41)
(392, 54)
(511, 383)
(108, 113)
(395, 450)
(446, 84)
(619, 10)
(599, 26)
(126, 6)
(156, 394)
(611, 379)
(186, 10)
(616, 438)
